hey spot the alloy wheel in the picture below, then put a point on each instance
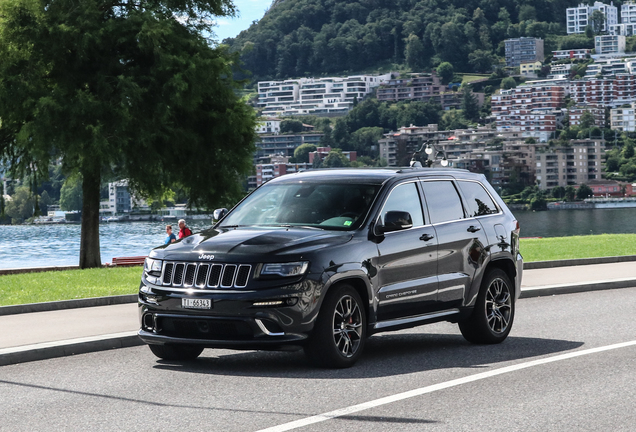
(347, 326)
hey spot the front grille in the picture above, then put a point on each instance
(204, 275)
(202, 328)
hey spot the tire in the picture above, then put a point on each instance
(176, 352)
(494, 311)
(339, 335)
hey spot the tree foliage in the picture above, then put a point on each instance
(129, 89)
(313, 37)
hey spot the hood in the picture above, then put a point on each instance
(250, 242)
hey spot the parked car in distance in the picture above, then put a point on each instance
(323, 259)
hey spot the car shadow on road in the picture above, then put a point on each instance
(384, 355)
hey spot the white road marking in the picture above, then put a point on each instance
(441, 386)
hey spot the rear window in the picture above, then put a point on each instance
(478, 201)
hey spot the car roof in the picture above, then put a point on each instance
(368, 175)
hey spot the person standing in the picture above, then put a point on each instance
(171, 237)
(184, 231)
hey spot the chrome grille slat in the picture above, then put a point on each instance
(205, 275)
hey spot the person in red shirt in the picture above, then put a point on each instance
(184, 231)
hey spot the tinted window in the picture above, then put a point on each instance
(405, 198)
(443, 201)
(478, 201)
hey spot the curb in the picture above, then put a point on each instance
(550, 290)
(68, 304)
(577, 262)
(48, 350)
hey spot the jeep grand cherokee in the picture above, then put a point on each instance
(323, 259)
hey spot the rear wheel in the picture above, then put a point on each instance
(339, 334)
(176, 352)
(492, 317)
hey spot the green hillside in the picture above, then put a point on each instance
(315, 37)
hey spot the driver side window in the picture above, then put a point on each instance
(406, 198)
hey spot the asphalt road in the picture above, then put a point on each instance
(569, 365)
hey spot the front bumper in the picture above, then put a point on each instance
(235, 320)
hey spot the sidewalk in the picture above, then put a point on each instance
(56, 333)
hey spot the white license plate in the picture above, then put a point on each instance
(194, 303)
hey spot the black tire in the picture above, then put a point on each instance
(494, 311)
(339, 335)
(176, 352)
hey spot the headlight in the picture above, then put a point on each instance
(152, 265)
(284, 269)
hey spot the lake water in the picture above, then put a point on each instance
(58, 245)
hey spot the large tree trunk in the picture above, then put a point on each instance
(89, 244)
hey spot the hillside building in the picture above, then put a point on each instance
(579, 54)
(580, 162)
(609, 44)
(284, 144)
(523, 50)
(422, 87)
(623, 118)
(578, 18)
(627, 27)
(317, 96)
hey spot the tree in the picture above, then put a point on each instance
(628, 150)
(445, 71)
(584, 191)
(508, 83)
(301, 154)
(558, 192)
(21, 206)
(470, 107)
(45, 202)
(587, 120)
(527, 13)
(414, 52)
(71, 194)
(335, 159)
(481, 60)
(293, 126)
(597, 20)
(570, 193)
(129, 89)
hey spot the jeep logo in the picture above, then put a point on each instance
(206, 257)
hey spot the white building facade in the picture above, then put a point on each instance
(578, 18)
(623, 119)
(627, 27)
(316, 96)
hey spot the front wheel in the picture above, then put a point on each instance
(494, 311)
(339, 334)
(176, 352)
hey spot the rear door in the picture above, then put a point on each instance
(461, 241)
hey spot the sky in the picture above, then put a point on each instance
(249, 10)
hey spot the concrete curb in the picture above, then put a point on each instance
(48, 350)
(550, 290)
(576, 262)
(68, 304)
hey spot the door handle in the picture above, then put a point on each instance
(426, 237)
(473, 229)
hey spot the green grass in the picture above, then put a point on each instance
(69, 284)
(75, 284)
(590, 246)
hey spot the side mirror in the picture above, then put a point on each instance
(396, 221)
(219, 214)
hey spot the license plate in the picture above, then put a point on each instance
(194, 303)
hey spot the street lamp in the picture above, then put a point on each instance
(430, 150)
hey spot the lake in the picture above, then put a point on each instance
(58, 245)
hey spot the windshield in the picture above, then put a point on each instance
(322, 205)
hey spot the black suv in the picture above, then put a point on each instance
(323, 259)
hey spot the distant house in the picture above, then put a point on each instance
(610, 188)
(530, 68)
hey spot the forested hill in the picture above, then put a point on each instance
(311, 37)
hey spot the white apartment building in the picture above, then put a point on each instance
(581, 53)
(122, 200)
(623, 119)
(560, 71)
(580, 162)
(269, 125)
(611, 67)
(315, 95)
(609, 44)
(627, 27)
(578, 18)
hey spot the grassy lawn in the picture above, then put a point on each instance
(591, 246)
(75, 284)
(68, 285)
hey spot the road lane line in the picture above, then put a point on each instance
(436, 387)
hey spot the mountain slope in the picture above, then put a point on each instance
(313, 37)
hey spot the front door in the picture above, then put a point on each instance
(407, 259)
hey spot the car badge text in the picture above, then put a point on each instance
(206, 257)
